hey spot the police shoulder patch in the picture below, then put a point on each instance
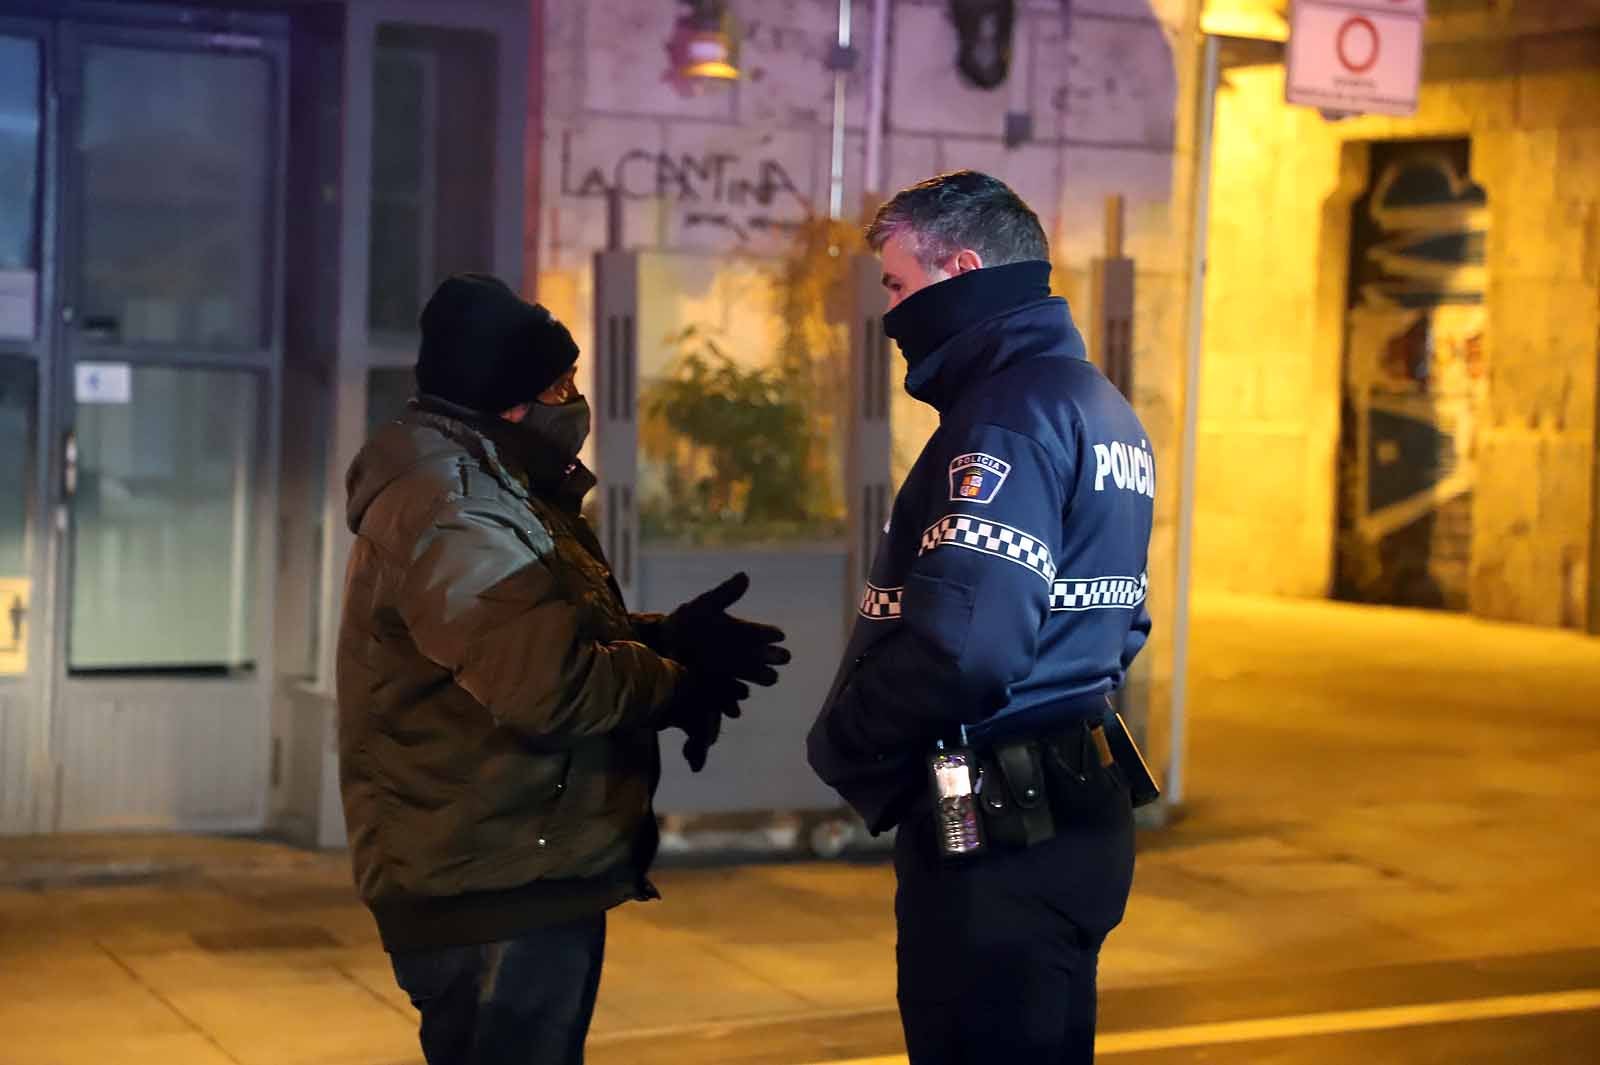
(977, 478)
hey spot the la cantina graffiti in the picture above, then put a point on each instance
(717, 178)
(714, 189)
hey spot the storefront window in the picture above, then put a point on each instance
(433, 166)
(741, 406)
(18, 391)
(19, 188)
(177, 172)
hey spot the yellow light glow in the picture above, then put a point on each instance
(712, 69)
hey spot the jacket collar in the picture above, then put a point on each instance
(515, 460)
(1041, 327)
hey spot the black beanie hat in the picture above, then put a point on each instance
(487, 349)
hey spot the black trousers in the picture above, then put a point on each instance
(523, 1001)
(997, 955)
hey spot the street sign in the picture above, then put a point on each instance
(1357, 56)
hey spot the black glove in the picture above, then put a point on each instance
(698, 706)
(706, 638)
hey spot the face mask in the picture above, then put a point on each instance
(563, 426)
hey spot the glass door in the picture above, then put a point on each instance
(23, 610)
(167, 382)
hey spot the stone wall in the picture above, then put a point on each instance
(717, 179)
(722, 176)
(1521, 81)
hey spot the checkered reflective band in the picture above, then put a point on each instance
(1099, 593)
(990, 537)
(880, 604)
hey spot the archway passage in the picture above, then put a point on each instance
(1414, 379)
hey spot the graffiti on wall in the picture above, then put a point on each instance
(1415, 377)
(744, 197)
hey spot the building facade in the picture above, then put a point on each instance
(744, 200)
(1402, 325)
(218, 222)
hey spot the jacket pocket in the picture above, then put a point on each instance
(519, 790)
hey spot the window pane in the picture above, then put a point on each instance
(740, 421)
(177, 164)
(18, 392)
(162, 570)
(19, 188)
(433, 164)
(19, 153)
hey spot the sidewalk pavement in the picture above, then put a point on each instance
(1367, 787)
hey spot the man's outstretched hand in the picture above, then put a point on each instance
(705, 637)
(722, 655)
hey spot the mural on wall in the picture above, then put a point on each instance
(1415, 379)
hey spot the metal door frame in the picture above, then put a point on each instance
(72, 36)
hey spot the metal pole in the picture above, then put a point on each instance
(876, 91)
(614, 219)
(1115, 216)
(1191, 418)
(840, 86)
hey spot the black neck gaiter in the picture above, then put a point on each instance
(925, 320)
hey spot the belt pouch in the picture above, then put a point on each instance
(1023, 807)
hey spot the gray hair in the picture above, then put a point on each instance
(964, 209)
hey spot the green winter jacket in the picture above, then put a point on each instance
(497, 706)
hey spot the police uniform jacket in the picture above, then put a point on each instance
(1008, 591)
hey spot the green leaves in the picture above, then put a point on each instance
(735, 446)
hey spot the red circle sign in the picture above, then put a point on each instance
(1350, 47)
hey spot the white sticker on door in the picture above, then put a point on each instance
(104, 382)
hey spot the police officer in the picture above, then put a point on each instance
(1005, 603)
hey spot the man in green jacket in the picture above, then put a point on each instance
(498, 705)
